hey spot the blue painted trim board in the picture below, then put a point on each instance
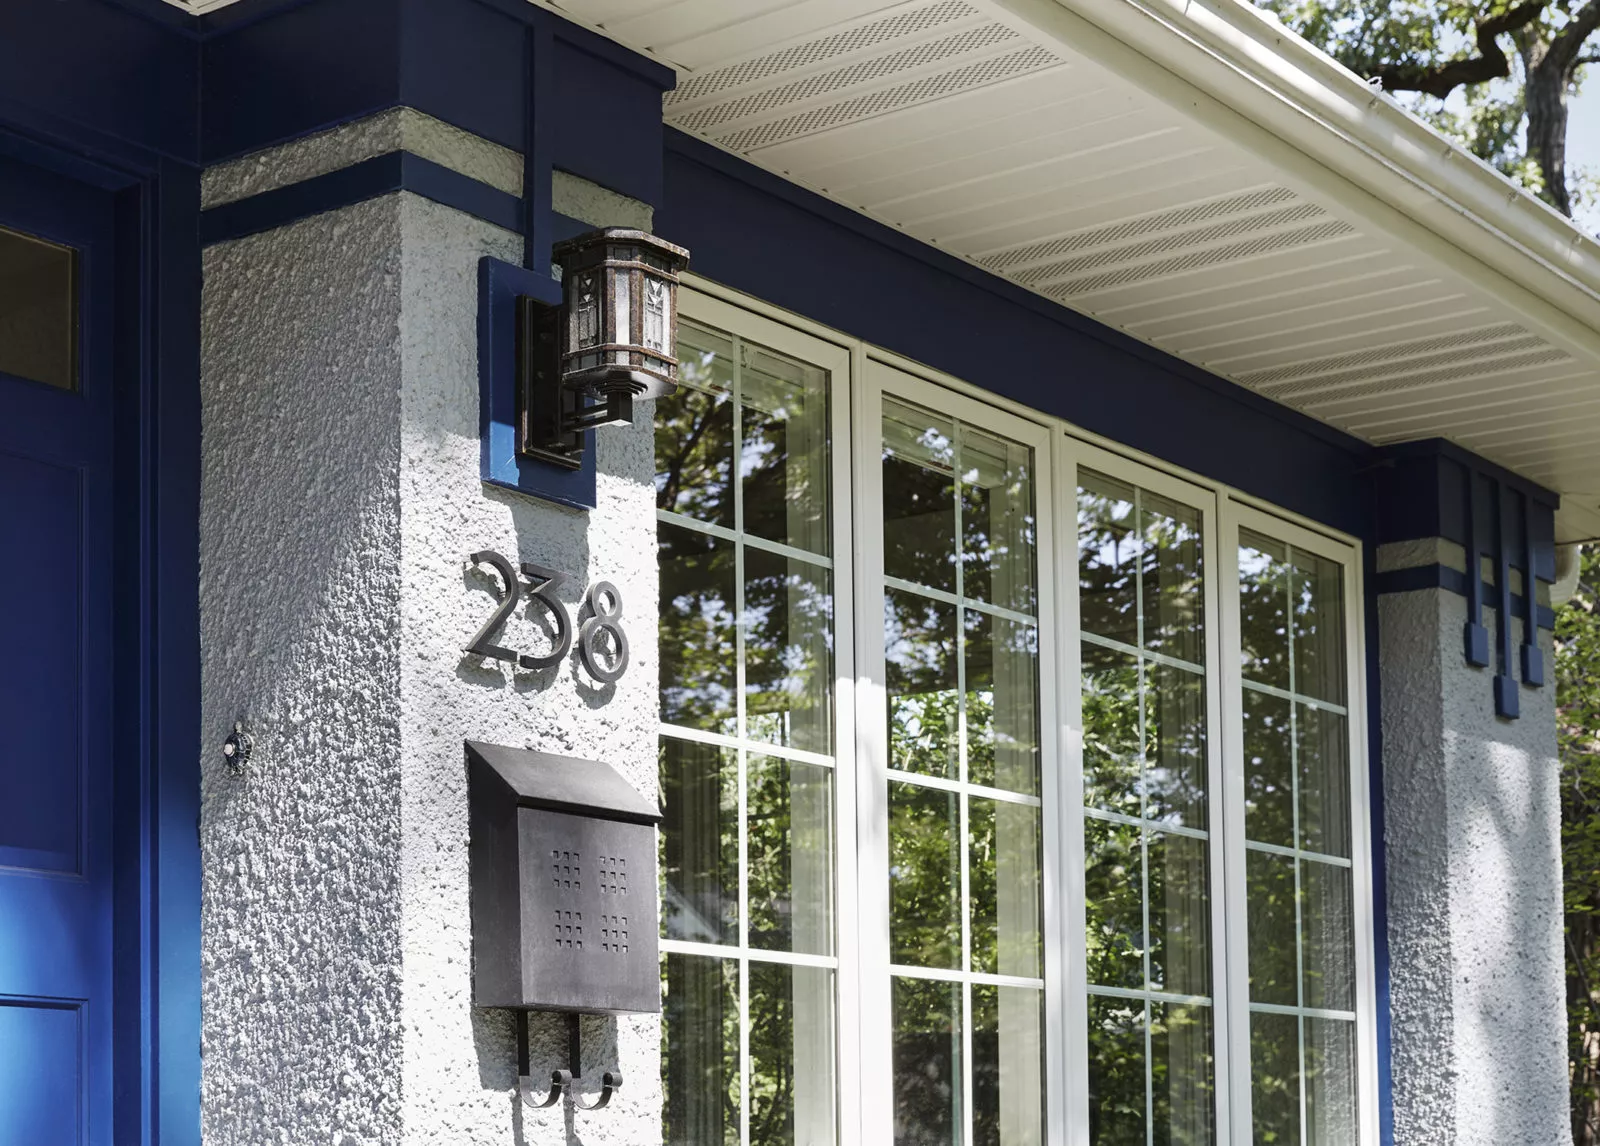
(499, 284)
(368, 179)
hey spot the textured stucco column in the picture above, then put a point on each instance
(341, 498)
(1472, 834)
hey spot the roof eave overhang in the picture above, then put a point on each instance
(1253, 81)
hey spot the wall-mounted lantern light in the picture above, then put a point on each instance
(612, 342)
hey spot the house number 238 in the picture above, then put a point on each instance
(603, 604)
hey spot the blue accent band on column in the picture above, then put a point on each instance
(1453, 580)
(368, 179)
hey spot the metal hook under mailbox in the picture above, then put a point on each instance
(561, 1080)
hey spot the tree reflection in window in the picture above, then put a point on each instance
(1146, 817)
(747, 739)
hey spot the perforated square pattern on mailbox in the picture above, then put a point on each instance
(563, 885)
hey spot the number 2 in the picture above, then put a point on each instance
(483, 644)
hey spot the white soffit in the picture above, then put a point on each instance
(1029, 139)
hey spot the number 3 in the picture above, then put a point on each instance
(545, 583)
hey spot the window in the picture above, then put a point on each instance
(952, 786)
(976, 835)
(38, 310)
(749, 655)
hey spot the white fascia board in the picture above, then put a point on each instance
(1249, 79)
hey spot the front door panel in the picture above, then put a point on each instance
(55, 660)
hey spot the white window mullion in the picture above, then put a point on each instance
(1073, 929)
(1236, 998)
(872, 767)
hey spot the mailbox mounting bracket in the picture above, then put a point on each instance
(561, 1080)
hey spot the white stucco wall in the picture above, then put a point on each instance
(341, 497)
(460, 1064)
(1472, 829)
(300, 608)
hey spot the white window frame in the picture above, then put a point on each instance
(836, 358)
(873, 773)
(858, 373)
(1241, 513)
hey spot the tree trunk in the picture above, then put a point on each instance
(1545, 96)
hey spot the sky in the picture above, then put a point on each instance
(1583, 144)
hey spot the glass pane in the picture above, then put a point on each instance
(1003, 860)
(1110, 730)
(1263, 610)
(783, 454)
(1169, 568)
(1271, 905)
(1182, 1078)
(1002, 699)
(1007, 1066)
(699, 842)
(1318, 627)
(919, 497)
(791, 1055)
(924, 876)
(700, 1051)
(38, 310)
(1108, 549)
(1113, 878)
(1268, 770)
(694, 430)
(927, 1062)
(1116, 1072)
(997, 521)
(1175, 779)
(789, 833)
(1324, 781)
(788, 646)
(1275, 1079)
(1180, 914)
(1327, 917)
(1331, 1082)
(924, 712)
(698, 649)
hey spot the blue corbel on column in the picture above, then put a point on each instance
(1432, 497)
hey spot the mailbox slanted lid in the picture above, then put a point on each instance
(563, 783)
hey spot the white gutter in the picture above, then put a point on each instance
(1243, 75)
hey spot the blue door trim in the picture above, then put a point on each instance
(154, 332)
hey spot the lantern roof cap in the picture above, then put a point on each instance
(619, 235)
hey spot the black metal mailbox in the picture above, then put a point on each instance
(563, 858)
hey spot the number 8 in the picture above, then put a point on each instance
(604, 603)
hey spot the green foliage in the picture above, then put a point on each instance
(1487, 118)
(1578, 708)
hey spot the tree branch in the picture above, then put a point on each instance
(1565, 47)
(1489, 64)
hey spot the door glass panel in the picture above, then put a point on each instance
(1146, 763)
(928, 1043)
(38, 310)
(961, 643)
(700, 1050)
(748, 854)
(791, 1055)
(1007, 1065)
(1298, 865)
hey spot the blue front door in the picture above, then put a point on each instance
(56, 660)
